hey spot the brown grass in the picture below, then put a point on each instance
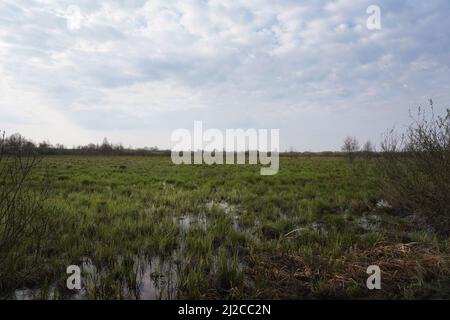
(403, 266)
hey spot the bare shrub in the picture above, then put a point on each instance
(23, 219)
(414, 168)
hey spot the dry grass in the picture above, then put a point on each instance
(403, 267)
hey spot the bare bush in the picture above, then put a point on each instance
(23, 221)
(415, 168)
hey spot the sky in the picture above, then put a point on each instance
(74, 72)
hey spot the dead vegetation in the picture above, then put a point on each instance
(404, 268)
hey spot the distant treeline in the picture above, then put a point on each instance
(327, 154)
(16, 141)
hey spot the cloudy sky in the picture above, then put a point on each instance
(134, 70)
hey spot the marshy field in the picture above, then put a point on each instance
(215, 153)
(144, 228)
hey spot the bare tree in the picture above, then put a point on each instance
(350, 147)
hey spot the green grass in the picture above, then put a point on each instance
(228, 232)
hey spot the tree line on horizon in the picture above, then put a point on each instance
(14, 141)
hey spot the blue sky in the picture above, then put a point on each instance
(135, 70)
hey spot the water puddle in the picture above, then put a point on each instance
(158, 280)
(35, 294)
(228, 209)
(225, 206)
(188, 221)
(149, 279)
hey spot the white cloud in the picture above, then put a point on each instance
(142, 66)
